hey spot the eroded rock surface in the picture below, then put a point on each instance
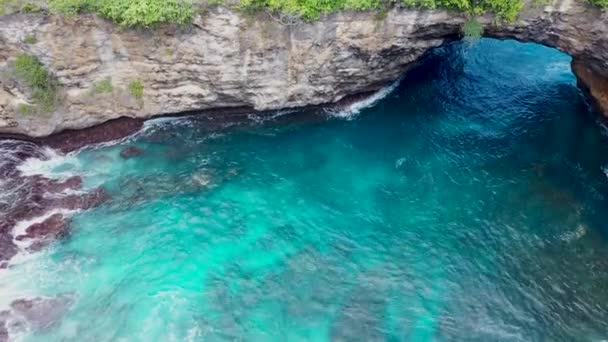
(228, 60)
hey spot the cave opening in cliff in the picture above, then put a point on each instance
(468, 203)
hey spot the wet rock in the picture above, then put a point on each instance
(72, 183)
(131, 152)
(71, 140)
(42, 184)
(23, 150)
(85, 201)
(3, 328)
(28, 209)
(38, 202)
(53, 227)
(27, 197)
(40, 196)
(593, 83)
(8, 249)
(8, 169)
(14, 152)
(41, 313)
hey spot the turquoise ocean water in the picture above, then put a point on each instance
(469, 204)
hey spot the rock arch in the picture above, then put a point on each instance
(226, 60)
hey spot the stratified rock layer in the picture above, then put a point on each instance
(229, 60)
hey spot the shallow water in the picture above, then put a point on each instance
(469, 204)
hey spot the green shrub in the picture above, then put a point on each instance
(72, 7)
(30, 39)
(506, 10)
(23, 6)
(30, 8)
(103, 86)
(472, 29)
(603, 4)
(131, 13)
(312, 9)
(30, 71)
(6, 6)
(136, 88)
(26, 109)
(147, 13)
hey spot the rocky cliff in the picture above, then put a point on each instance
(231, 60)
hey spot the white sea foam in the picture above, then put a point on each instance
(353, 109)
(48, 166)
(260, 118)
(605, 169)
(163, 121)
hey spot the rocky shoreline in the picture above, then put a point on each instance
(40, 204)
(29, 198)
(35, 212)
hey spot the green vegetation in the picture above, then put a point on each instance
(103, 86)
(147, 13)
(23, 6)
(506, 10)
(30, 8)
(132, 13)
(30, 39)
(603, 4)
(26, 109)
(136, 87)
(6, 6)
(30, 71)
(472, 30)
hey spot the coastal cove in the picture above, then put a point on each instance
(466, 201)
(303, 170)
(227, 59)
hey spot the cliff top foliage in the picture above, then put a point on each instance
(506, 10)
(147, 13)
(131, 13)
(603, 4)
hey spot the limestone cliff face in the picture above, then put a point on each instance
(227, 59)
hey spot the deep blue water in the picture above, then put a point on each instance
(469, 204)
